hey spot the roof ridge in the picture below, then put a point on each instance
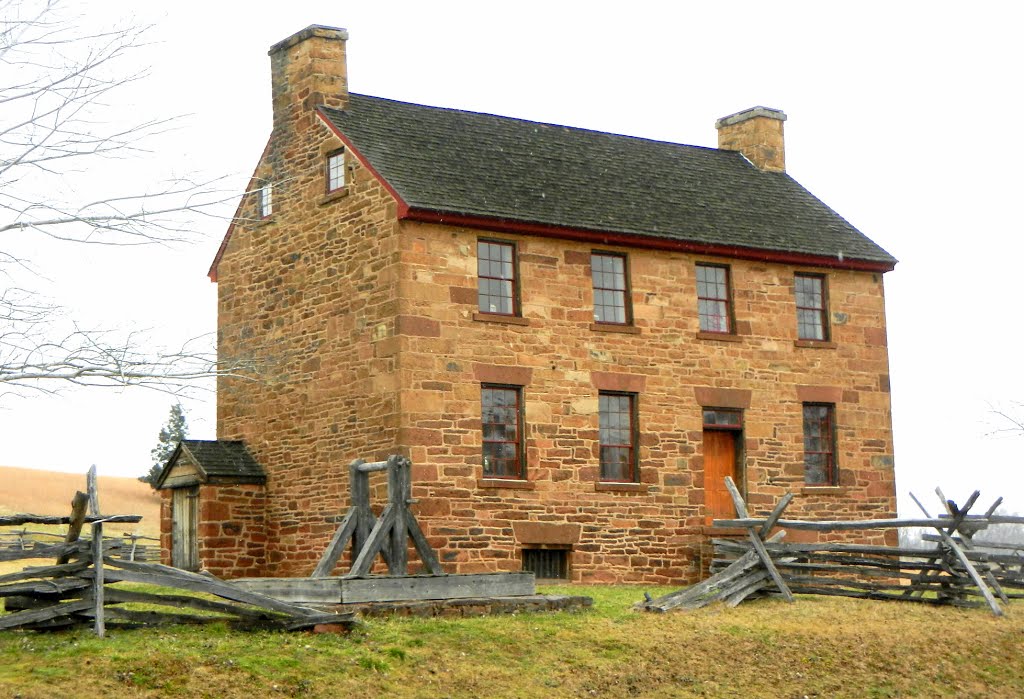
(521, 120)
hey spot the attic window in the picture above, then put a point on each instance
(335, 171)
(265, 197)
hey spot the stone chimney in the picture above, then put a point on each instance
(757, 134)
(308, 69)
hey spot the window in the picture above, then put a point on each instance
(723, 419)
(496, 277)
(502, 432)
(547, 563)
(265, 198)
(335, 171)
(617, 437)
(811, 304)
(714, 305)
(611, 299)
(819, 444)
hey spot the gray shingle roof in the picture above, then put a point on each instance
(223, 459)
(457, 162)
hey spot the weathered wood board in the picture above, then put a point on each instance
(391, 589)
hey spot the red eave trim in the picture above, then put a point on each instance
(212, 273)
(403, 207)
(638, 241)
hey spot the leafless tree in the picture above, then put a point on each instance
(57, 123)
(1008, 418)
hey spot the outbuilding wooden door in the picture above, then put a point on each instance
(719, 462)
(184, 523)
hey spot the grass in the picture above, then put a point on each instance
(818, 647)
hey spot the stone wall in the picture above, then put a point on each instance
(650, 531)
(305, 294)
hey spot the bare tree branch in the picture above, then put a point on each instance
(58, 122)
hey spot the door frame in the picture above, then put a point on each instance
(730, 420)
(185, 528)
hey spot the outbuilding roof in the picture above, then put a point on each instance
(492, 168)
(224, 461)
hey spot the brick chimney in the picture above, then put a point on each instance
(757, 134)
(308, 69)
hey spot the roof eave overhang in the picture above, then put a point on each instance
(350, 147)
(547, 230)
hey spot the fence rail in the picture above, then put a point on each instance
(955, 570)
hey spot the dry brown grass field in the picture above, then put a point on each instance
(24, 490)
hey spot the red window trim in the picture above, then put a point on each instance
(822, 312)
(520, 460)
(516, 309)
(626, 291)
(327, 170)
(634, 470)
(730, 319)
(829, 431)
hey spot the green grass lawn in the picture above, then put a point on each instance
(817, 647)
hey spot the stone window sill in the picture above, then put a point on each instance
(721, 337)
(620, 488)
(333, 196)
(814, 344)
(824, 490)
(495, 318)
(614, 328)
(508, 483)
(263, 221)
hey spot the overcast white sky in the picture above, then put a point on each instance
(903, 117)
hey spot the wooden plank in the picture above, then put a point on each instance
(844, 525)
(321, 590)
(374, 543)
(776, 513)
(336, 549)
(45, 572)
(156, 574)
(736, 569)
(97, 582)
(427, 587)
(423, 548)
(92, 491)
(18, 520)
(755, 539)
(115, 594)
(32, 616)
(959, 553)
(77, 519)
(399, 492)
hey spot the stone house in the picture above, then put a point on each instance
(573, 335)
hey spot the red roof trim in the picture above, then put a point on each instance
(403, 207)
(639, 241)
(212, 273)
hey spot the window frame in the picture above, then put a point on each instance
(823, 314)
(330, 170)
(832, 468)
(626, 290)
(516, 305)
(725, 426)
(730, 318)
(633, 476)
(265, 200)
(520, 413)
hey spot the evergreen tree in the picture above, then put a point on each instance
(173, 432)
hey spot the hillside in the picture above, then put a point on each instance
(50, 493)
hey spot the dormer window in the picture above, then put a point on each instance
(335, 171)
(265, 197)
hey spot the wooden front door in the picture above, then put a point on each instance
(184, 523)
(719, 462)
